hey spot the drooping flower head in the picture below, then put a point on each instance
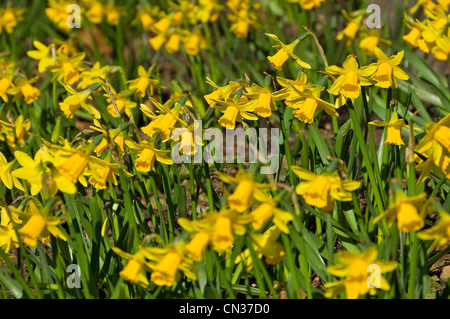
(356, 269)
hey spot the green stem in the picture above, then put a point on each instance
(366, 156)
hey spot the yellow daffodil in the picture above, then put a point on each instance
(23, 87)
(43, 54)
(243, 17)
(39, 224)
(292, 88)
(92, 76)
(197, 245)
(58, 13)
(354, 22)
(308, 4)
(103, 171)
(409, 212)
(173, 42)
(123, 102)
(110, 136)
(113, 13)
(135, 268)
(8, 236)
(440, 232)
(221, 93)
(6, 80)
(370, 41)
(168, 262)
(72, 103)
(322, 190)
(355, 268)
(435, 147)
(393, 129)
(10, 17)
(235, 110)
(413, 36)
(284, 53)
(95, 12)
(68, 68)
(262, 99)
(221, 227)
(308, 103)
(246, 189)
(6, 176)
(148, 153)
(72, 161)
(165, 122)
(266, 247)
(424, 4)
(386, 70)
(41, 174)
(267, 210)
(193, 42)
(350, 79)
(144, 83)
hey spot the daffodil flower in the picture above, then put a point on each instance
(95, 12)
(23, 87)
(221, 228)
(435, 146)
(8, 236)
(262, 99)
(354, 22)
(72, 161)
(6, 176)
(92, 76)
(165, 122)
(354, 267)
(414, 35)
(41, 176)
(440, 232)
(308, 103)
(221, 93)
(409, 212)
(144, 83)
(284, 53)
(135, 268)
(246, 189)
(168, 262)
(350, 79)
(39, 224)
(308, 4)
(193, 42)
(267, 210)
(197, 245)
(386, 70)
(243, 17)
(111, 135)
(43, 54)
(322, 190)
(292, 88)
(10, 17)
(113, 13)
(393, 129)
(68, 68)
(148, 153)
(72, 103)
(235, 110)
(102, 171)
(371, 40)
(266, 247)
(6, 80)
(123, 103)
(57, 13)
